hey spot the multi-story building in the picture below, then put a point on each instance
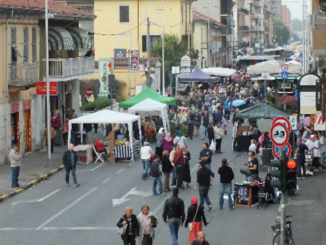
(207, 40)
(319, 32)
(286, 16)
(276, 8)
(22, 66)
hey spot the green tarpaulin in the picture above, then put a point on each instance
(147, 93)
(262, 110)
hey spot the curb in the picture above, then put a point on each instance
(31, 183)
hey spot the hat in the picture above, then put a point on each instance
(194, 200)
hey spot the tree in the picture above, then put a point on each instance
(174, 49)
(281, 32)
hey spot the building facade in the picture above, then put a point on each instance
(286, 16)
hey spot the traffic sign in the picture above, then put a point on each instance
(293, 122)
(279, 134)
(283, 120)
(284, 75)
(277, 151)
(285, 67)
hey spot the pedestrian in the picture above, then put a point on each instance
(70, 161)
(130, 224)
(52, 134)
(186, 167)
(145, 154)
(58, 130)
(210, 133)
(226, 177)
(166, 169)
(219, 133)
(190, 123)
(316, 153)
(195, 218)
(159, 141)
(15, 163)
(225, 125)
(147, 222)
(197, 122)
(204, 180)
(167, 143)
(174, 214)
(205, 124)
(322, 148)
(179, 165)
(251, 170)
(300, 159)
(174, 171)
(205, 156)
(65, 129)
(156, 173)
(201, 239)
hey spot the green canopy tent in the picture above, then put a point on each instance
(147, 93)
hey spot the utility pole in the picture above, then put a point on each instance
(208, 37)
(304, 37)
(48, 112)
(148, 45)
(129, 69)
(163, 57)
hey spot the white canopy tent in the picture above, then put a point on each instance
(219, 71)
(150, 107)
(107, 117)
(274, 67)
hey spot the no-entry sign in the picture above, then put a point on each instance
(279, 134)
(283, 120)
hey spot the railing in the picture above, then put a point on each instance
(258, 28)
(243, 10)
(258, 3)
(24, 74)
(258, 16)
(70, 67)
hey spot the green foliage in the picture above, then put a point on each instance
(119, 88)
(100, 103)
(281, 32)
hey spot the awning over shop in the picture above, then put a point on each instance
(59, 37)
(262, 110)
(80, 37)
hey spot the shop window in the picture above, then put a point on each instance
(124, 14)
(153, 41)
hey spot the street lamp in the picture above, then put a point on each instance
(163, 63)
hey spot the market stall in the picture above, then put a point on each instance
(198, 76)
(219, 71)
(107, 117)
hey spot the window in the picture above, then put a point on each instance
(124, 14)
(13, 44)
(34, 45)
(26, 42)
(153, 40)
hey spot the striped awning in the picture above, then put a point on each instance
(60, 39)
(80, 37)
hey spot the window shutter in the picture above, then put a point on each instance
(34, 44)
(26, 41)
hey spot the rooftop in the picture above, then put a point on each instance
(197, 16)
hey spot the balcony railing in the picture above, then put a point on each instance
(70, 68)
(258, 16)
(24, 74)
(257, 28)
(258, 3)
(243, 10)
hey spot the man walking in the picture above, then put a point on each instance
(58, 126)
(145, 154)
(197, 122)
(203, 184)
(156, 174)
(174, 214)
(15, 162)
(179, 164)
(205, 156)
(205, 124)
(226, 177)
(190, 123)
(201, 236)
(70, 162)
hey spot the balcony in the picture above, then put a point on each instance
(257, 28)
(258, 4)
(61, 70)
(258, 16)
(243, 10)
(244, 28)
(24, 74)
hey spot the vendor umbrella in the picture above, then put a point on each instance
(237, 103)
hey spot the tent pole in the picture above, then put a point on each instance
(69, 133)
(139, 128)
(131, 143)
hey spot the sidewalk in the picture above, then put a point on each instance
(35, 164)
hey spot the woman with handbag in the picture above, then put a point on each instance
(147, 222)
(128, 227)
(195, 217)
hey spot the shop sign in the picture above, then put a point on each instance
(106, 66)
(27, 105)
(120, 58)
(15, 107)
(41, 88)
(134, 59)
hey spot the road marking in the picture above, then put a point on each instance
(65, 209)
(16, 229)
(38, 200)
(93, 169)
(133, 191)
(106, 180)
(80, 228)
(120, 171)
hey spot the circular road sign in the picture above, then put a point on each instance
(279, 134)
(285, 67)
(283, 120)
(277, 150)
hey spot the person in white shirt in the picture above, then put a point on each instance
(310, 144)
(147, 222)
(316, 152)
(322, 148)
(145, 154)
(253, 146)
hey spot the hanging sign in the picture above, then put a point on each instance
(41, 88)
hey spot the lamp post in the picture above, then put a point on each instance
(163, 57)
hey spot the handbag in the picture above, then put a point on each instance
(190, 224)
(212, 147)
(122, 230)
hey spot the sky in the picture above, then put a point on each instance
(295, 7)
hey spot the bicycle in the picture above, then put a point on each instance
(288, 231)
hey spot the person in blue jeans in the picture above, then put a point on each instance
(156, 173)
(226, 177)
(145, 155)
(174, 214)
(15, 162)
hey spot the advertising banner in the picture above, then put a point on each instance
(106, 67)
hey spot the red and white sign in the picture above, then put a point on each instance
(278, 150)
(279, 134)
(89, 92)
(319, 118)
(283, 120)
(41, 88)
(285, 67)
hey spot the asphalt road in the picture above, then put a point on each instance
(52, 213)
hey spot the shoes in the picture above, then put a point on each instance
(221, 207)
(162, 195)
(209, 207)
(155, 194)
(298, 178)
(67, 184)
(303, 177)
(188, 186)
(232, 208)
(320, 168)
(76, 185)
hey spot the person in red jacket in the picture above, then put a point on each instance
(179, 164)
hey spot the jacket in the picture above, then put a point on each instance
(159, 140)
(155, 170)
(166, 165)
(174, 208)
(205, 120)
(15, 158)
(134, 225)
(167, 145)
(195, 242)
(190, 119)
(226, 174)
(200, 217)
(219, 132)
(178, 157)
(210, 133)
(142, 226)
(53, 133)
(197, 119)
(67, 159)
(205, 153)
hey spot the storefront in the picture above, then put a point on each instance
(27, 132)
(15, 137)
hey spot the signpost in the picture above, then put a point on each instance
(279, 134)
(284, 75)
(283, 120)
(293, 122)
(277, 151)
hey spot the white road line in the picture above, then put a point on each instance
(37, 200)
(65, 209)
(46, 197)
(120, 171)
(93, 169)
(16, 229)
(106, 180)
(79, 228)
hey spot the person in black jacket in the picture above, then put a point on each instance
(186, 167)
(70, 161)
(226, 177)
(156, 173)
(132, 227)
(174, 214)
(205, 124)
(210, 132)
(201, 236)
(195, 217)
(167, 168)
(203, 184)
